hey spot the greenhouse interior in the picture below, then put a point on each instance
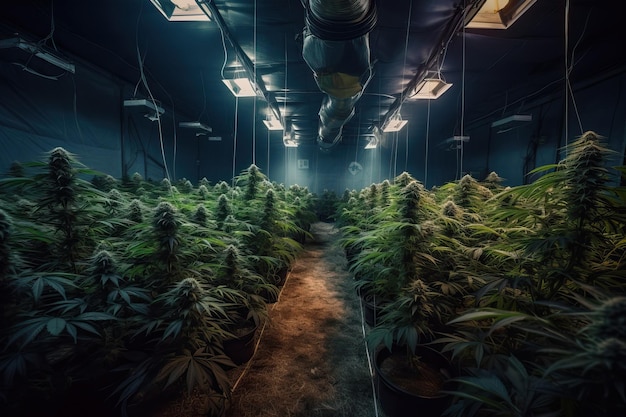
(312, 208)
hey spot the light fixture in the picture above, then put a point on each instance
(181, 10)
(39, 51)
(511, 122)
(496, 14)
(272, 122)
(513, 119)
(289, 140)
(372, 142)
(240, 87)
(153, 117)
(395, 124)
(195, 125)
(144, 104)
(458, 139)
(430, 88)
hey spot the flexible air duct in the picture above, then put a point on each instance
(336, 48)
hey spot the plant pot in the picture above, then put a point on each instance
(241, 347)
(270, 297)
(281, 276)
(403, 392)
(372, 309)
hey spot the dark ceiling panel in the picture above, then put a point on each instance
(184, 60)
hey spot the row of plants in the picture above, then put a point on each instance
(131, 289)
(522, 290)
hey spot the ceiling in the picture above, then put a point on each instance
(492, 71)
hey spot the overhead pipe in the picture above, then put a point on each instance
(336, 48)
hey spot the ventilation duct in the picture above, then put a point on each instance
(336, 48)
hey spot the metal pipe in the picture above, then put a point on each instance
(210, 9)
(336, 48)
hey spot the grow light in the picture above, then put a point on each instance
(195, 125)
(35, 50)
(459, 139)
(240, 87)
(273, 123)
(430, 88)
(143, 103)
(372, 143)
(395, 125)
(496, 14)
(181, 10)
(512, 121)
(289, 141)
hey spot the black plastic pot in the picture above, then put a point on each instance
(398, 402)
(371, 309)
(240, 349)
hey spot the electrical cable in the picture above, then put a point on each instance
(50, 36)
(406, 49)
(41, 43)
(75, 108)
(369, 357)
(406, 151)
(395, 155)
(461, 141)
(566, 56)
(203, 97)
(235, 140)
(358, 135)
(147, 87)
(268, 155)
(225, 51)
(427, 140)
(254, 81)
(258, 342)
(571, 67)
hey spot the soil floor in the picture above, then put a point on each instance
(311, 357)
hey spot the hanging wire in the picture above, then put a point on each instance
(269, 112)
(406, 151)
(75, 108)
(235, 141)
(147, 87)
(461, 142)
(203, 97)
(286, 154)
(254, 81)
(569, 66)
(406, 49)
(225, 51)
(358, 136)
(368, 354)
(395, 155)
(566, 55)
(426, 150)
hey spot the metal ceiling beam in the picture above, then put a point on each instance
(210, 8)
(454, 25)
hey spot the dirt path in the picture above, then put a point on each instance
(310, 361)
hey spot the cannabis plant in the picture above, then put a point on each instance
(237, 272)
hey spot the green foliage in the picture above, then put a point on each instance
(132, 301)
(506, 389)
(522, 286)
